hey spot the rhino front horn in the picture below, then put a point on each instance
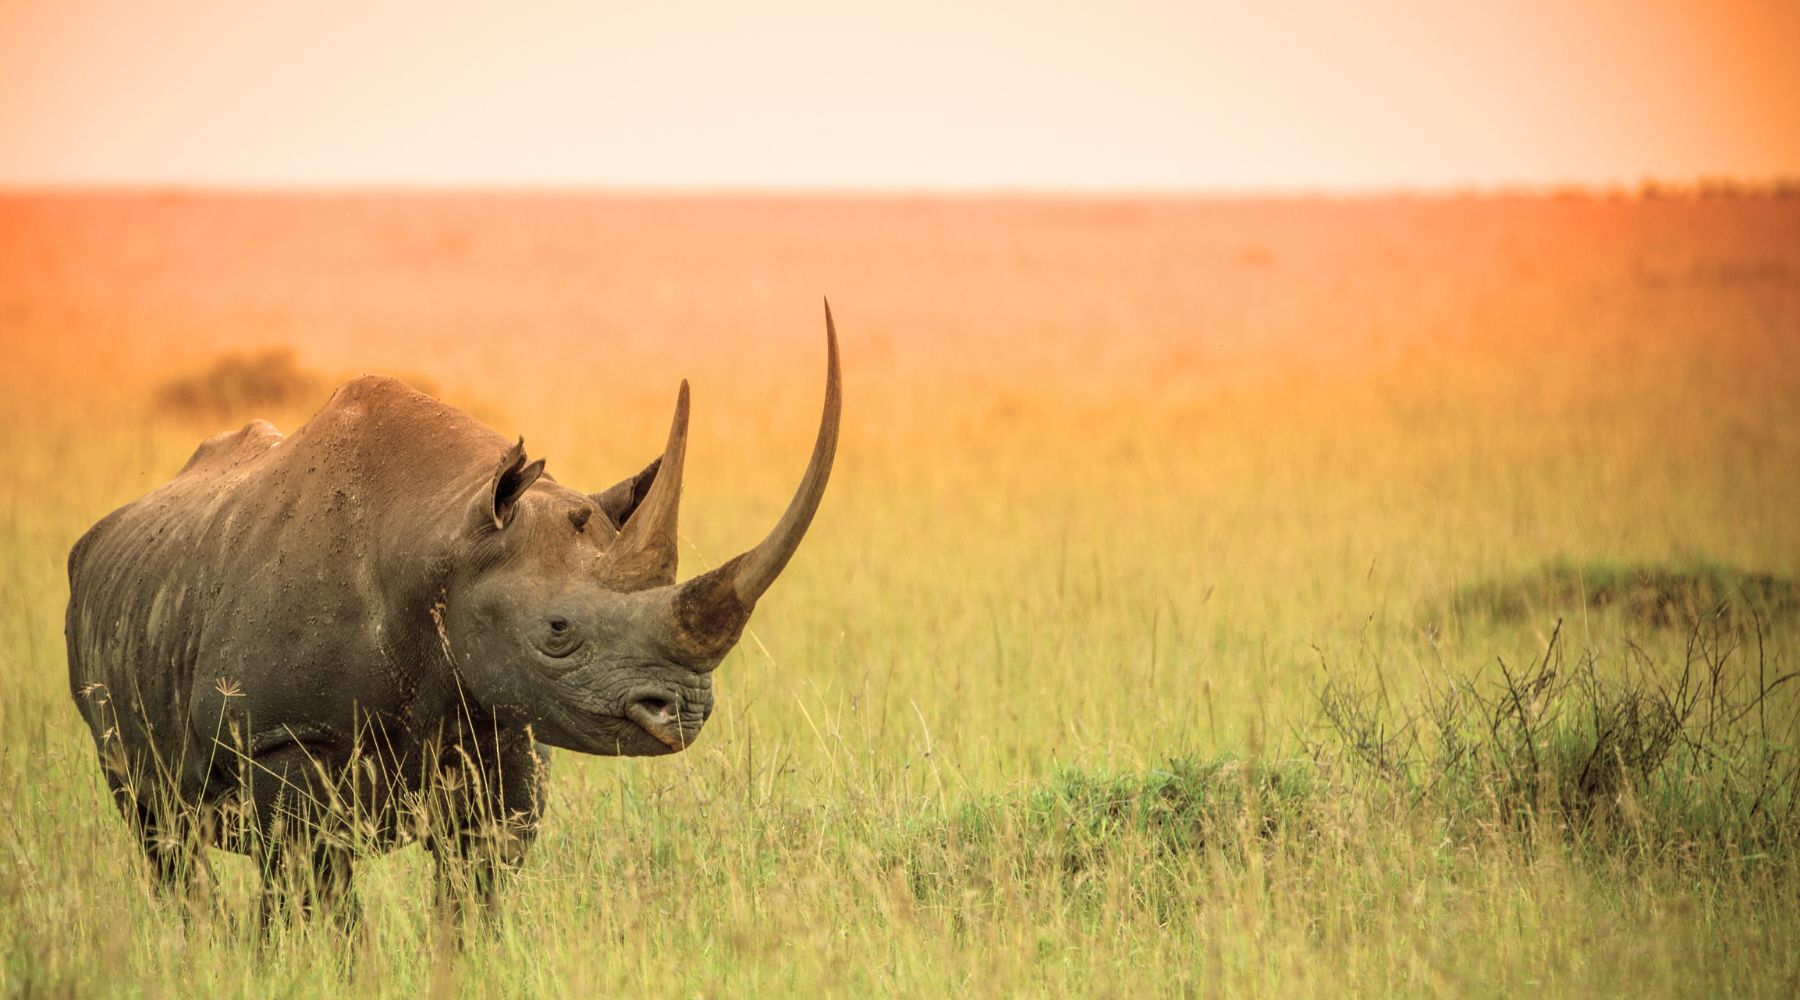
(710, 610)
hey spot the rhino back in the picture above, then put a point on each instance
(270, 591)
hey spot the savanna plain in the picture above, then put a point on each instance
(1211, 597)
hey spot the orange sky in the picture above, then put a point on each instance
(925, 94)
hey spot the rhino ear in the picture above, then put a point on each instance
(621, 498)
(511, 480)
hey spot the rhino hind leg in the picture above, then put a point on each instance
(162, 829)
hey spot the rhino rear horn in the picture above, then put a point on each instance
(622, 498)
(646, 552)
(710, 610)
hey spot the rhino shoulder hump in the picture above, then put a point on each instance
(227, 449)
(372, 387)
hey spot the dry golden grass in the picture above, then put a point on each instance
(1115, 478)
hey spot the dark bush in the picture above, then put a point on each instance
(255, 384)
(241, 385)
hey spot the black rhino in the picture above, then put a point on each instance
(307, 647)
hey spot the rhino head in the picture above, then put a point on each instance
(563, 611)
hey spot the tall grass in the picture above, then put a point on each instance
(1149, 639)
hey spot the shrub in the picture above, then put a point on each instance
(238, 384)
(1641, 757)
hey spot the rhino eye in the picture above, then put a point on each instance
(562, 640)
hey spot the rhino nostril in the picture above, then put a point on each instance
(661, 709)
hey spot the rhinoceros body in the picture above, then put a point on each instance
(366, 630)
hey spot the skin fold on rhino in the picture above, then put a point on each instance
(310, 647)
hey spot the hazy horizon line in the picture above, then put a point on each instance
(1781, 185)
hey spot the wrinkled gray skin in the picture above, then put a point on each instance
(306, 647)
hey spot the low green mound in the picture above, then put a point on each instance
(1652, 594)
(1080, 825)
(1189, 804)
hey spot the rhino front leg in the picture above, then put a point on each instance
(302, 846)
(316, 875)
(486, 822)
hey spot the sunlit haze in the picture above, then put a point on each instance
(930, 95)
